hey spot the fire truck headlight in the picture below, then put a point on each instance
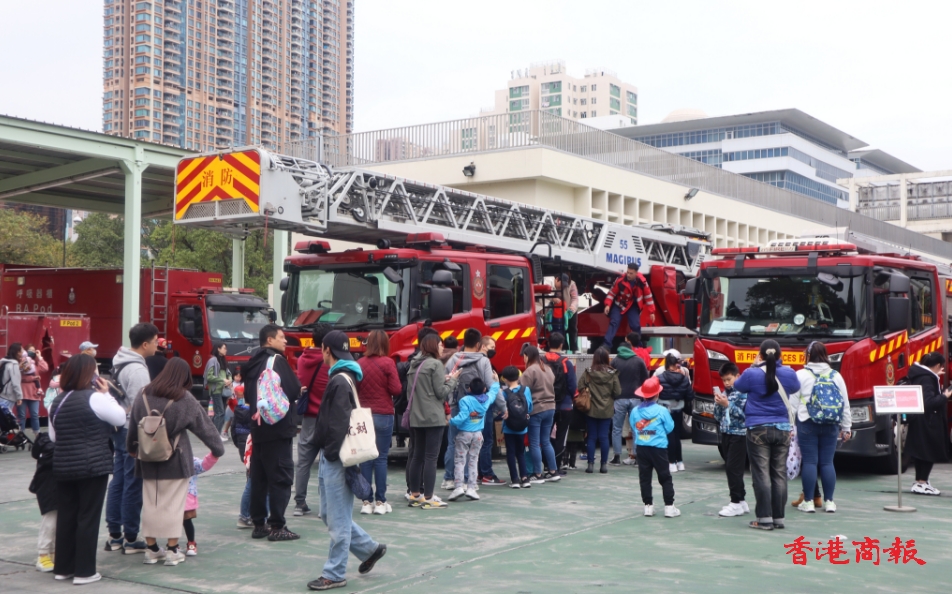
(836, 358)
(704, 407)
(715, 356)
(860, 414)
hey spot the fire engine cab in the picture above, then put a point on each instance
(876, 310)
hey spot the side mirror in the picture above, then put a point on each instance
(284, 308)
(899, 283)
(272, 315)
(897, 311)
(441, 303)
(283, 285)
(392, 275)
(187, 329)
(690, 287)
(690, 314)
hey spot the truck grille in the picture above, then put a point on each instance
(716, 364)
(217, 208)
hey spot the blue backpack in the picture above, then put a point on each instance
(825, 405)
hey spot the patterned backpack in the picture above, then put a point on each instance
(825, 405)
(272, 401)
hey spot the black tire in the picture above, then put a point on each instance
(887, 464)
(687, 422)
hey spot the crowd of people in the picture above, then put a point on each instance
(135, 427)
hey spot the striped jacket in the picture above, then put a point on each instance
(624, 294)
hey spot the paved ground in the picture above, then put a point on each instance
(583, 533)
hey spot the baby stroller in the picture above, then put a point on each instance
(10, 434)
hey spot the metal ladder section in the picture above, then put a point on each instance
(159, 298)
(363, 206)
(5, 330)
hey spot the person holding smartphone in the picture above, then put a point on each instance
(928, 439)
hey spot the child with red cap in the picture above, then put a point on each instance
(650, 425)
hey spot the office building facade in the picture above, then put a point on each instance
(785, 148)
(549, 87)
(211, 74)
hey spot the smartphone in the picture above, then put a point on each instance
(718, 391)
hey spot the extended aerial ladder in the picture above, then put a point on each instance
(253, 188)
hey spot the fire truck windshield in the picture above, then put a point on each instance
(801, 305)
(235, 323)
(348, 299)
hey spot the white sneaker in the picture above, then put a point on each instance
(78, 581)
(151, 558)
(174, 558)
(382, 508)
(807, 507)
(457, 493)
(630, 461)
(472, 494)
(744, 505)
(671, 512)
(515, 485)
(649, 510)
(673, 467)
(407, 496)
(924, 489)
(680, 466)
(449, 485)
(367, 508)
(829, 507)
(731, 509)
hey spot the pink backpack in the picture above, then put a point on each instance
(272, 401)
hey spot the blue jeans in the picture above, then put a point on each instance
(449, 460)
(614, 320)
(34, 407)
(623, 408)
(597, 433)
(540, 426)
(245, 510)
(337, 512)
(486, 452)
(817, 445)
(383, 430)
(124, 497)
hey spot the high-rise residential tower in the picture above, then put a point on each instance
(210, 74)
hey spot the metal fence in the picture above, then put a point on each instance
(925, 200)
(536, 128)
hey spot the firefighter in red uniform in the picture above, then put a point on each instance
(629, 296)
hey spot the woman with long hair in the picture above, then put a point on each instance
(218, 379)
(428, 388)
(817, 438)
(768, 384)
(82, 420)
(601, 381)
(541, 383)
(379, 387)
(165, 484)
(928, 439)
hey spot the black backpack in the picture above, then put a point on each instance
(561, 384)
(115, 387)
(518, 408)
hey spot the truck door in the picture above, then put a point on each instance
(509, 311)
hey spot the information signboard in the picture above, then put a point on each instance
(890, 400)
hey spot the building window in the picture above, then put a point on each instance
(614, 104)
(519, 104)
(593, 114)
(594, 87)
(614, 90)
(632, 110)
(516, 92)
(551, 101)
(584, 89)
(584, 114)
(552, 87)
(632, 98)
(584, 101)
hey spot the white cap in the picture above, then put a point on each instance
(674, 352)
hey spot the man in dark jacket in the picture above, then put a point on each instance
(272, 464)
(337, 500)
(632, 372)
(312, 374)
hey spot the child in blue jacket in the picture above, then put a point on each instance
(729, 412)
(515, 438)
(470, 421)
(650, 425)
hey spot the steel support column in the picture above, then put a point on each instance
(280, 253)
(237, 263)
(132, 243)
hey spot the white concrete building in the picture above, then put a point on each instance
(547, 86)
(786, 148)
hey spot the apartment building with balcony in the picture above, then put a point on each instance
(547, 86)
(211, 74)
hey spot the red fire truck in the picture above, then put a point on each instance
(877, 312)
(189, 307)
(445, 257)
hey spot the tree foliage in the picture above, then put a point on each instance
(98, 242)
(25, 240)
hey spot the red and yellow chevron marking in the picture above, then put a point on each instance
(514, 334)
(886, 348)
(218, 177)
(925, 350)
(656, 362)
(948, 286)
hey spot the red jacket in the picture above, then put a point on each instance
(380, 384)
(624, 294)
(306, 364)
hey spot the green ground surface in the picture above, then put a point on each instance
(582, 534)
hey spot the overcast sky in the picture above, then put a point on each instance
(877, 70)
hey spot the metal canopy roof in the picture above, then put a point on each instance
(62, 167)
